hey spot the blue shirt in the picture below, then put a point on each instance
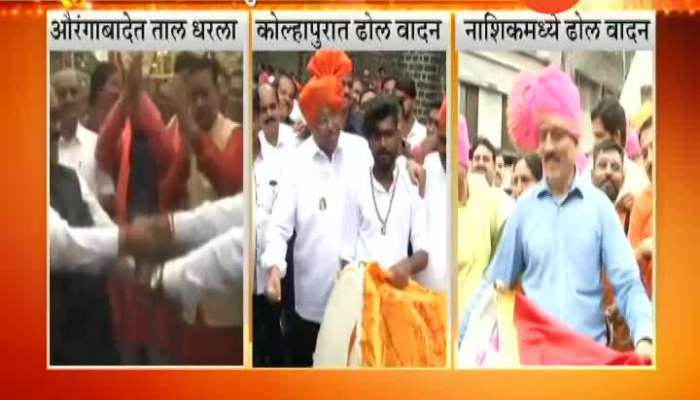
(558, 248)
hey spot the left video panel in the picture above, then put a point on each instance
(147, 211)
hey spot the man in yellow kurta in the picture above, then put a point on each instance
(478, 225)
(479, 222)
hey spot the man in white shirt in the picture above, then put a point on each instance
(82, 241)
(436, 275)
(276, 138)
(383, 211)
(483, 159)
(76, 145)
(288, 106)
(310, 202)
(277, 141)
(412, 131)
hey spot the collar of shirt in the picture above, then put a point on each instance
(379, 188)
(78, 138)
(575, 189)
(318, 154)
(285, 138)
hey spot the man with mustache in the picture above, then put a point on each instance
(311, 201)
(76, 146)
(564, 232)
(216, 142)
(276, 141)
(608, 174)
(384, 212)
(274, 135)
(484, 162)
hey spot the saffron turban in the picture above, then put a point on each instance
(325, 88)
(536, 97)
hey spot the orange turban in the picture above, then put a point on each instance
(325, 88)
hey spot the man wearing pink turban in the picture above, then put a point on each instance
(564, 231)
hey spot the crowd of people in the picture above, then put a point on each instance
(146, 215)
(572, 231)
(146, 208)
(353, 177)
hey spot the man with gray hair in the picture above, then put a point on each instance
(76, 145)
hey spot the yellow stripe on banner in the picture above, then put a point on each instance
(506, 329)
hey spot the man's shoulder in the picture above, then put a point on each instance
(352, 142)
(352, 138)
(286, 131)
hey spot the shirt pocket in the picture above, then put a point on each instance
(583, 258)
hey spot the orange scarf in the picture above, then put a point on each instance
(402, 327)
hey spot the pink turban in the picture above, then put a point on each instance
(538, 96)
(632, 147)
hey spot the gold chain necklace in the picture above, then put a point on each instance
(374, 200)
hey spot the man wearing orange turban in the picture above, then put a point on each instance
(311, 201)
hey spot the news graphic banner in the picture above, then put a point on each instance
(350, 30)
(147, 30)
(572, 30)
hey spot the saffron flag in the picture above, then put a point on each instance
(507, 330)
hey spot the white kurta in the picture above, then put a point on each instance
(79, 153)
(213, 269)
(87, 248)
(267, 172)
(405, 218)
(311, 202)
(204, 226)
(436, 275)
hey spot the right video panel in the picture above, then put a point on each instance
(555, 220)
